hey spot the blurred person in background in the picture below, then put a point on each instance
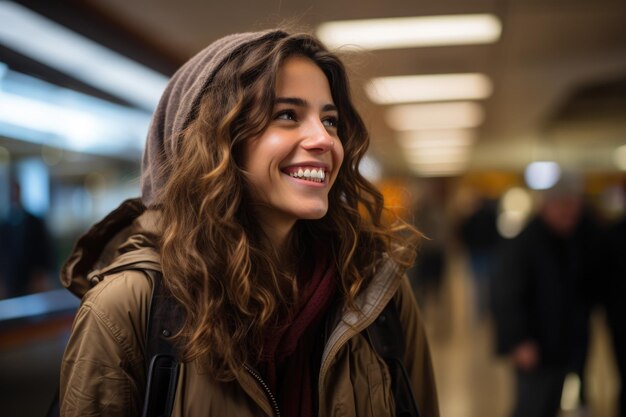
(251, 210)
(25, 250)
(429, 217)
(479, 234)
(612, 294)
(540, 310)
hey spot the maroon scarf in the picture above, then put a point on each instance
(288, 351)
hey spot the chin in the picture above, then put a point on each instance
(314, 214)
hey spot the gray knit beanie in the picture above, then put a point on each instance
(178, 106)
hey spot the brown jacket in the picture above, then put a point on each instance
(103, 369)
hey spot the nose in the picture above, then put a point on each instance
(318, 138)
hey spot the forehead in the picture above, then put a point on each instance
(300, 77)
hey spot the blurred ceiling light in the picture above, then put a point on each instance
(438, 174)
(518, 200)
(440, 170)
(370, 169)
(438, 167)
(436, 138)
(48, 42)
(408, 32)
(437, 151)
(420, 88)
(39, 112)
(541, 175)
(453, 115)
(440, 156)
(619, 157)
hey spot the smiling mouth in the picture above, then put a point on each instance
(313, 174)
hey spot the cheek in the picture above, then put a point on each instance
(338, 154)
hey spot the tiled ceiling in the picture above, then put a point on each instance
(548, 50)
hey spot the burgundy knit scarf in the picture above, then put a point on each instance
(288, 351)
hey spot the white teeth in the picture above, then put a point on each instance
(316, 175)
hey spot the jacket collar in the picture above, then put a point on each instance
(370, 303)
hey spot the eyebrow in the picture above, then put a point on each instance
(296, 101)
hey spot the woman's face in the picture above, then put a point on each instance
(293, 164)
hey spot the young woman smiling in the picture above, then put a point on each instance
(268, 239)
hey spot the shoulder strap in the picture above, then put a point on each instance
(162, 363)
(387, 338)
(161, 357)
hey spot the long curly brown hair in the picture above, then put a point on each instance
(215, 259)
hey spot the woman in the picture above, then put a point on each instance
(267, 237)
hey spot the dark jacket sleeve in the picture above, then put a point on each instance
(417, 359)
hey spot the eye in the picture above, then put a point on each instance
(331, 121)
(285, 115)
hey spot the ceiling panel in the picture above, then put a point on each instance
(548, 49)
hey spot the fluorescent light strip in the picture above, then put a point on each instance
(452, 115)
(408, 32)
(435, 159)
(437, 174)
(436, 152)
(58, 47)
(36, 111)
(436, 138)
(55, 125)
(438, 171)
(421, 88)
(442, 169)
(438, 166)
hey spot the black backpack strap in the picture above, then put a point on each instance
(387, 338)
(54, 410)
(162, 363)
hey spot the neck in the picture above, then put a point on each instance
(279, 238)
(277, 228)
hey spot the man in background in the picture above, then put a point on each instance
(541, 315)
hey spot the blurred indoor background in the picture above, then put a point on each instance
(474, 107)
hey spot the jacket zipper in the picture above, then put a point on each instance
(268, 392)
